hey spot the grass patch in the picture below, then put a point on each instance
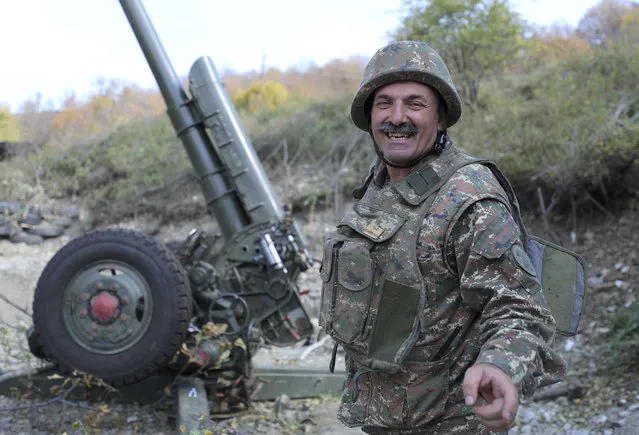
(623, 343)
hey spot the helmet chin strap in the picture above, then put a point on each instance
(441, 141)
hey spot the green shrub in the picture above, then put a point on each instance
(309, 130)
(119, 167)
(567, 127)
(623, 342)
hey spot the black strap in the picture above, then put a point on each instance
(356, 383)
(422, 181)
(358, 193)
(331, 365)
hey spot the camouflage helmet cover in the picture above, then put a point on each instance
(406, 60)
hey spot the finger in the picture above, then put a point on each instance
(497, 425)
(511, 401)
(472, 378)
(491, 411)
(487, 394)
(487, 381)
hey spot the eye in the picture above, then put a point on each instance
(382, 104)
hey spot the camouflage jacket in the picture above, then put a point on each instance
(418, 286)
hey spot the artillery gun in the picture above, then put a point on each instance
(120, 306)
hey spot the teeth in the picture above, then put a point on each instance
(397, 136)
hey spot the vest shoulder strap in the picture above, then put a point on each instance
(429, 178)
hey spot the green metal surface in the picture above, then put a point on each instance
(111, 281)
(221, 119)
(297, 383)
(192, 404)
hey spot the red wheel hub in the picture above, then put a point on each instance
(104, 307)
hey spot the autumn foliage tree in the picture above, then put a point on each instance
(549, 45)
(609, 22)
(9, 126)
(335, 79)
(261, 97)
(111, 104)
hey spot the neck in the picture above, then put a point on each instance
(397, 174)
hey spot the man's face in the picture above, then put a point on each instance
(404, 120)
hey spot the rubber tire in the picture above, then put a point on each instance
(170, 293)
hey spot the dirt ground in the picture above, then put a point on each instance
(608, 244)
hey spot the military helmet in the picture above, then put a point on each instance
(405, 60)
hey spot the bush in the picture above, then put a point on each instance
(308, 130)
(623, 342)
(571, 127)
(117, 170)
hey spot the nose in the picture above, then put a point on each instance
(397, 114)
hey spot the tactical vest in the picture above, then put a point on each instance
(372, 292)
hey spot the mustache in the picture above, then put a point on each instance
(407, 128)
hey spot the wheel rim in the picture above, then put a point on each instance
(107, 307)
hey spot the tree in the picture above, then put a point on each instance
(259, 97)
(610, 21)
(36, 126)
(551, 44)
(70, 121)
(475, 37)
(9, 126)
(36, 122)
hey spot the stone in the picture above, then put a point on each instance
(29, 239)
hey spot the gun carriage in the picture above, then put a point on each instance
(120, 306)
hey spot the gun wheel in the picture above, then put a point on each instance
(114, 303)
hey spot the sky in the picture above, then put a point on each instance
(56, 47)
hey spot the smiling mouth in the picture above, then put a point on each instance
(398, 136)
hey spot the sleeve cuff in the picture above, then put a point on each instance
(518, 372)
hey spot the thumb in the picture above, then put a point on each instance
(472, 378)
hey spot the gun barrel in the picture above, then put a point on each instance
(219, 192)
(220, 117)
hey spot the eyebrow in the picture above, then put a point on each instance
(408, 98)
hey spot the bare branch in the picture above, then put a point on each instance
(28, 371)
(22, 310)
(2, 322)
(59, 399)
(597, 203)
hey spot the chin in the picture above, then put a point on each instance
(397, 160)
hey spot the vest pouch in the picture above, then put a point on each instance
(352, 290)
(562, 276)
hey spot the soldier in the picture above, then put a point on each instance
(426, 282)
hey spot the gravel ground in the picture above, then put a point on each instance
(604, 406)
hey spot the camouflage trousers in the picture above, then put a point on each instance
(468, 425)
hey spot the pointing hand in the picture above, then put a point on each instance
(498, 390)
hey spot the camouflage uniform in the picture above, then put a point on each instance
(423, 278)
